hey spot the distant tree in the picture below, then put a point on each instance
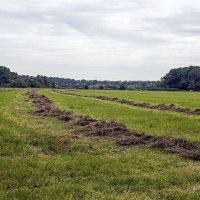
(12, 79)
(101, 87)
(17, 83)
(6, 76)
(122, 87)
(86, 87)
(186, 78)
(131, 87)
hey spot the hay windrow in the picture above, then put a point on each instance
(162, 107)
(114, 130)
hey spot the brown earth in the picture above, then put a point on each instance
(163, 107)
(116, 131)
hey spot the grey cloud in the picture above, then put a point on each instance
(100, 39)
(184, 23)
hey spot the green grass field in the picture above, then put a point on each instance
(145, 120)
(180, 99)
(42, 157)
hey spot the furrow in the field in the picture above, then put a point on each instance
(117, 131)
(161, 107)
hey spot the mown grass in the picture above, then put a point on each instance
(41, 158)
(153, 122)
(180, 99)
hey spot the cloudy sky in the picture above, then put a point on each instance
(99, 39)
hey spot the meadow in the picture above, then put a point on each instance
(153, 122)
(46, 158)
(180, 99)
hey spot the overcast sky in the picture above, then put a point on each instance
(99, 39)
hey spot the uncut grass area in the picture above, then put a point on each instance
(43, 158)
(180, 99)
(154, 122)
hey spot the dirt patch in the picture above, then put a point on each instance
(162, 107)
(117, 131)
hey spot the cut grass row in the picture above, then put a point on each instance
(148, 121)
(85, 168)
(180, 99)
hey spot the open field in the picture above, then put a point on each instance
(46, 158)
(180, 99)
(149, 121)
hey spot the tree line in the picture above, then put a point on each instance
(12, 79)
(186, 78)
(107, 85)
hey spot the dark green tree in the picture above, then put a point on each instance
(186, 78)
(122, 87)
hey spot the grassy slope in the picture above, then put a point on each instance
(81, 168)
(180, 99)
(148, 121)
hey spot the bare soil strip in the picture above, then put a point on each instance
(162, 107)
(116, 131)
